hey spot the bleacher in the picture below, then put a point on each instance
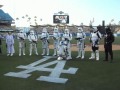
(5, 21)
(5, 18)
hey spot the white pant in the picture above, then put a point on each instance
(93, 55)
(45, 47)
(56, 43)
(33, 45)
(10, 49)
(81, 47)
(21, 47)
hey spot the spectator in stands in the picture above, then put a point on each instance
(10, 44)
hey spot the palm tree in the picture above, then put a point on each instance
(17, 18)
(35, 19)
(36, 23)
(23, 17)
(26, 15)
(35, 16)
(29, 18)
(40, 19)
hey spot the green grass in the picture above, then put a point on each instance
(91, 75)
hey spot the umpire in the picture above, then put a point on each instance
(108, 40)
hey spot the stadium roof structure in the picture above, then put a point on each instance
(5, 16)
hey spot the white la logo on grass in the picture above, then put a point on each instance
(54, 75)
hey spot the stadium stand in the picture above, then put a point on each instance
(5, 21)
(5, 18)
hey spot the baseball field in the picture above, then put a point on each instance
(47, 73)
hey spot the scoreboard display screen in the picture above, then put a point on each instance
(61, 19)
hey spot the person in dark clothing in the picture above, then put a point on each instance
(108, 40)
(0, 44)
